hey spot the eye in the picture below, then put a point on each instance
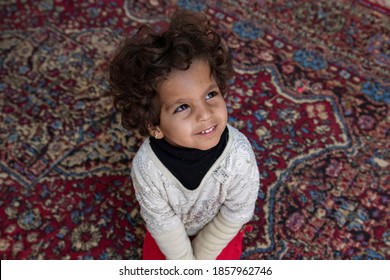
(181, 108)
(211, 95)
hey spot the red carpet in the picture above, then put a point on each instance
(311, 92)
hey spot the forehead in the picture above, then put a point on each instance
(194, 81)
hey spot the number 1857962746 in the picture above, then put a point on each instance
(238, 270)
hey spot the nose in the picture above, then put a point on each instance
(203, 113)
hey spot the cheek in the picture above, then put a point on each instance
(222, 110)
(172, 125)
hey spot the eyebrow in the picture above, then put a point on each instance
(183, 101)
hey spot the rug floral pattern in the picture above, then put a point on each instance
(311, 92)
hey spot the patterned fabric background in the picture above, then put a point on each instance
(311, 92)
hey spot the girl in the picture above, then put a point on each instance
(195, 177)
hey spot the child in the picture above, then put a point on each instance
(195, 177)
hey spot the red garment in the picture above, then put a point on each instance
(232, 251)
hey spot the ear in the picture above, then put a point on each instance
(154, 131)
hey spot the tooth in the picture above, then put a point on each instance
(207, 130)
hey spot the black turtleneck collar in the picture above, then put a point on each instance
(188, 165)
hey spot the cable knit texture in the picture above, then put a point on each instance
(229, 187)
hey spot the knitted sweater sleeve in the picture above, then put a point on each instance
(237, 209)
(161, 221)
(239, 204)
(211, 240)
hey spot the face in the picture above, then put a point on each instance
(193, 111)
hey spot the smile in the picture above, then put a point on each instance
(207, 131)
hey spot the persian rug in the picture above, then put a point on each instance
(311, 92)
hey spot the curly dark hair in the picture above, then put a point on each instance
(146, 59)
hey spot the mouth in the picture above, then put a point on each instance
(207, 131)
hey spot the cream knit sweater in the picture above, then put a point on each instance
(215, 211)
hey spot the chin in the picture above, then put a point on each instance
(207, 146)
